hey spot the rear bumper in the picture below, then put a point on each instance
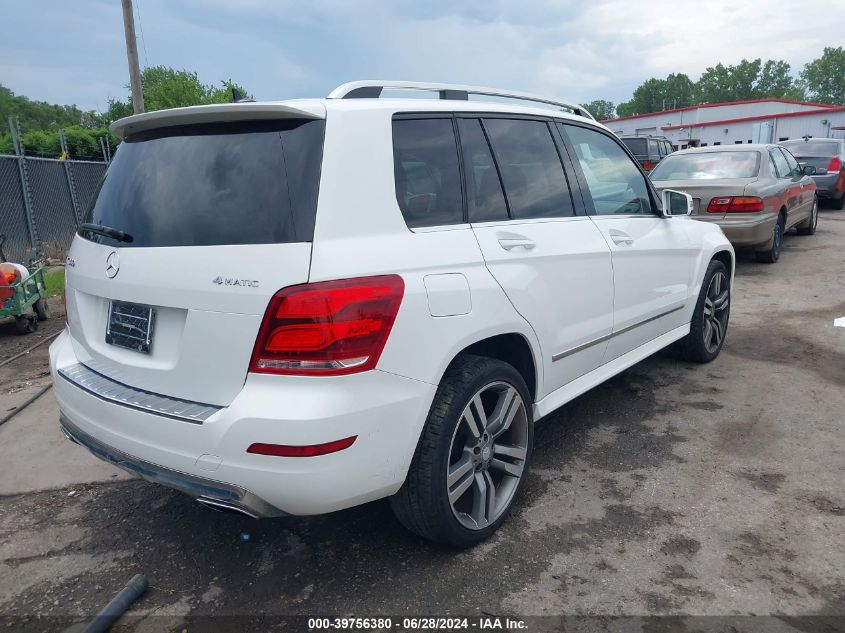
(745, 230)
(829, 186)
(207, 491)
(208, 460)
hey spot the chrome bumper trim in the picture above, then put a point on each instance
(111, 390)
(207, 491)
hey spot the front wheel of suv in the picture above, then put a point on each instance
(473, 455)
(709, 323)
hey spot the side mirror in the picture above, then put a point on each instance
(676, 202)
(809, 170)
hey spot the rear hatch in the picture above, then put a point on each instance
(221, 216)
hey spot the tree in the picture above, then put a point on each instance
(748, 80)
(654, 95)
(775, 80)
(170, 88)
(601, 109)
(825, 76)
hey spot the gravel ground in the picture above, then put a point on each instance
(673, 489)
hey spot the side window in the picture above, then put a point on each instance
(781, 166)
(425, 166)
(535, 183)
(616, 185)
(653, 152)
(485, 199)
(794, 169)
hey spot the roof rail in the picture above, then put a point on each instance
(372, 89)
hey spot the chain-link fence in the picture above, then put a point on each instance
(42, 202)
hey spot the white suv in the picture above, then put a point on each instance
(296, 307)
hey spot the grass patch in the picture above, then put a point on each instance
(54, 282)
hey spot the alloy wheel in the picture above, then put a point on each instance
(716, 303)
(487, 455)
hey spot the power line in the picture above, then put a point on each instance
(141, 28)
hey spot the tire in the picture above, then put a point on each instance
(477, 460)
(808, 227)
(838, 203)
(42, 310)
(712, 308)
(773, 254)
(25, 325)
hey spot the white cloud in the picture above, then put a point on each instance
(290, 48)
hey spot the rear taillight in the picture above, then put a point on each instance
(648, 165)
(835, 164)
(735, 204)
(327, 328)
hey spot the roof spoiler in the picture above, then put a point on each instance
(215, 113)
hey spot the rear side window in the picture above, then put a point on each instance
(535, 183)
(425, 165)
(794, 169)
(233, 183)
(485, 199)
(781, 166)
(653, 151)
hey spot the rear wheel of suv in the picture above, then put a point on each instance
(810, 224)
(771, 255)
(473, 455)
(709, 322)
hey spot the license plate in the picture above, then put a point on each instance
(131, 326)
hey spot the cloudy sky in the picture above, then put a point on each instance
(73, 51)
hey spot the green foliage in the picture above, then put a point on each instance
(748, 80)
(601, 109)
(170, 88)
(6, 145)
(676, 91)
(39, 115)
(825, 76)
(752, 79)
(54, 282)
(40, 122)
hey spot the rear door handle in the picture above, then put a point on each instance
(516, 241)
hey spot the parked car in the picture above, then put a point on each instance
(649, 150)
(754, 192)
(827, 155)
(297, 307)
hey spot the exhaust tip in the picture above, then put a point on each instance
(226, 506)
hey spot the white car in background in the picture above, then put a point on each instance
(297, 307)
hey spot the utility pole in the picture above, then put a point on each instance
(132, 55)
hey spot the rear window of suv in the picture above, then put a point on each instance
(213, 184)
(638, 146)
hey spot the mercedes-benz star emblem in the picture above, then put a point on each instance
(112, 265)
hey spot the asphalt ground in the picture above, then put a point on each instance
(672, 490)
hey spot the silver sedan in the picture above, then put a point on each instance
(754, 192)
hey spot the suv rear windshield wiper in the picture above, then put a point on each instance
(107, 231)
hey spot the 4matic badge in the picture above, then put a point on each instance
(231, 281)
